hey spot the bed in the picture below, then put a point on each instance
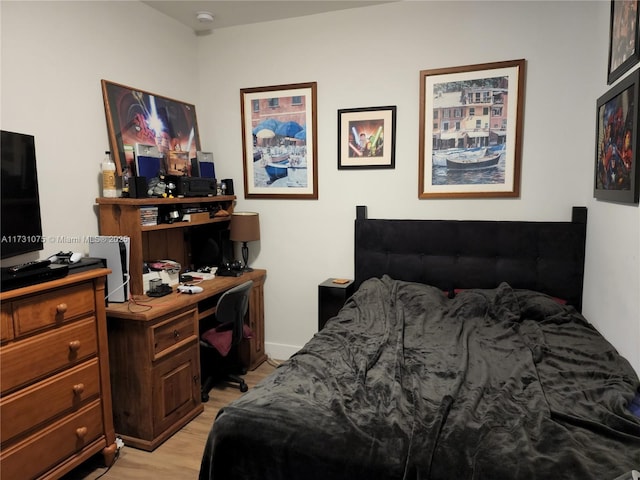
(462, 354)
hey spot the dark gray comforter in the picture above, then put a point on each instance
(407, 384)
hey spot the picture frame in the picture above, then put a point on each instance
(367, 138)
(279, 131)
(624, 38)
(617, 176)
(135, 116)
(471, 126)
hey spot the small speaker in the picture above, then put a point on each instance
(195, 169)
(229, 183)
(138, 187)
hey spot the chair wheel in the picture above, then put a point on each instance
(243, 387)
(204, 397)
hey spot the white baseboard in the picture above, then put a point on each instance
(278, 351)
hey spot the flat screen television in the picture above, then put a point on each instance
(20, 202)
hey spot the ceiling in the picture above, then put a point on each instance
(229, 13)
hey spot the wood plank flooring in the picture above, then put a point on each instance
(177, 458)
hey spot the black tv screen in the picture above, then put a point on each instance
(20, 203)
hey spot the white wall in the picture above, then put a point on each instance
(54, 54)
(373, 57)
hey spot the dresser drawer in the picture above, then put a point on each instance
(6, 323)
(174, 332)
(43, 354)
(62, 393)
(60, 440)
(55, 307)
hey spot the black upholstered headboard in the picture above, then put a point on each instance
(455, 254)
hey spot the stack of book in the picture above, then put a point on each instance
(149, 216)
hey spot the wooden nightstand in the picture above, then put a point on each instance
(331, 298)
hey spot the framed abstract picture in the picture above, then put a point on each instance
(279, 141)
(135, 116)
(471, 130)
(616, 166)
(367, 137)
(624, 38)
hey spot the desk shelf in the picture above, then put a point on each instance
(169, 226)
(121, 217)
(142, 202)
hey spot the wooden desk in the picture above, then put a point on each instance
(155, 362)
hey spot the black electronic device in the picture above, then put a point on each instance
(24, 278)
(195, 186)
(233, 269)
(159, 289)
(138, 187)
(203, 166)
(229, 184)
(169, 214)
(20, 202)
(225, 272)
(28, 266)
(87, 263)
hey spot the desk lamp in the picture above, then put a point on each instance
(245, 227)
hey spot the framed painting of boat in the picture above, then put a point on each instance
(279, 141)
(367, 137)
(138, 117)
(624, 38)
(617, 176)
(471, 130)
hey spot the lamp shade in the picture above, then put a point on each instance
(244, 227)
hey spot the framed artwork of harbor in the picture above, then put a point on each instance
(135, 116)
(617, 176)
(279, 141)
(367, 138)
(471, 130)
(624, 38)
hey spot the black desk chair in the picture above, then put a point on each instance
(219, 343)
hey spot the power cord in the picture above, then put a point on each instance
(119, 445)
(272, 362)
(124, 284)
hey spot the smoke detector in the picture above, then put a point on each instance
(204, 17)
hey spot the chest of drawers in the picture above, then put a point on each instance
(55, 396)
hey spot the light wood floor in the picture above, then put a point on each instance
(177, 458)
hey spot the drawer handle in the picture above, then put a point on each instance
(62, 308)
(78, 388)
(81, 432)
(74, 345)
(176, 335)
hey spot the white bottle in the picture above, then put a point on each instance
(108, 177)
